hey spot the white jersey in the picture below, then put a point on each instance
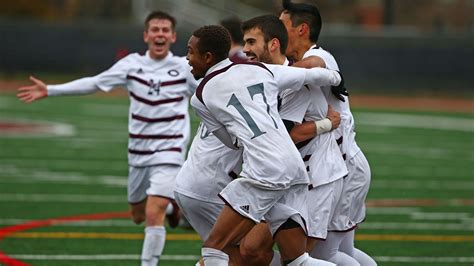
(159, 96)
(210, 166)
(243, 99)
(321, 153)
(345, 134)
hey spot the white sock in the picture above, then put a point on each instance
(153, 245)
(347, 244)
(214, 257)
(327, 249)
(306, 260)
(276, 260)
(342, 259)
(363, 258)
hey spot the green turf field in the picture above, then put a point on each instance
(421, 203)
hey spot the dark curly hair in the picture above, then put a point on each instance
(214, 39)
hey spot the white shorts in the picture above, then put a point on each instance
(200, 214)
(322, 202)
(351, 207)
(251, 199)
(156, 180)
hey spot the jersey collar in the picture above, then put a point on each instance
(219, 65)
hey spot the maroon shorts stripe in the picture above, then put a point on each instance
(154, 103)
(172, 82)
(158, 136)
(142, 152)
(156, 120)
(339, 140)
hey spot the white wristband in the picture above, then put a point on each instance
(323, 126)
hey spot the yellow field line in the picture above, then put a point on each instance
(137, 236)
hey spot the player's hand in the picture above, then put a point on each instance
(340, 90)
(34, 92)
(334, 116)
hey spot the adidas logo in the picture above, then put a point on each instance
(245, 208)
(140, 71)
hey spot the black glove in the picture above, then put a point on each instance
(340, 90)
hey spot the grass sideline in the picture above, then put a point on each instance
(422, 185)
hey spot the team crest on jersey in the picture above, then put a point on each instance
(154, 87)
(173, 73)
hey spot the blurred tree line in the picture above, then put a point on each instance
(423, 15)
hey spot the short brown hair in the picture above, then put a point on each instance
(158, 14)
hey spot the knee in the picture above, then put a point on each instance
(137, 217)
(255, 255)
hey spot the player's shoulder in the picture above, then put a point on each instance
(328, 58)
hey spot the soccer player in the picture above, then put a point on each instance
(159, 85)
(237, 103)
(303, 23)
(265, 40)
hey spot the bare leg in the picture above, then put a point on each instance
(256, 246)
(137, 211)
(229, 229)
(155, 232)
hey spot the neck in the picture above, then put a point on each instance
(278, 59)
(303, 46)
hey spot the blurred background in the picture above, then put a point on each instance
(424, 46)
(409, 68)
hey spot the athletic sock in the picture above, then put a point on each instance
(153, 245)
(306, 260)
(214, 257)
(342, 259)
(363, 258)
(276, 259)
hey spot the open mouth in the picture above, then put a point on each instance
(251, 56)
(160, 43)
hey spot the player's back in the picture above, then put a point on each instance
(345, 132)
(244, 100)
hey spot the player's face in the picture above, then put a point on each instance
(292, 34)
(255, 48)
(196, 60)
(159, 36)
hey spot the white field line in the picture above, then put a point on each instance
(467, 226)
(417, 152)
(414, 121)
(425, 184)
(196, 257)
(39, 175)
(74, 198)
(417, 171)
(463, 227)
(102, 257)
(425, 259)
(391, 210)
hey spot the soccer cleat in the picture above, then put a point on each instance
(174, 216)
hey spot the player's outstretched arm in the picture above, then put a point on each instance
(310, 62)
(34, 92)
(310, 129)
